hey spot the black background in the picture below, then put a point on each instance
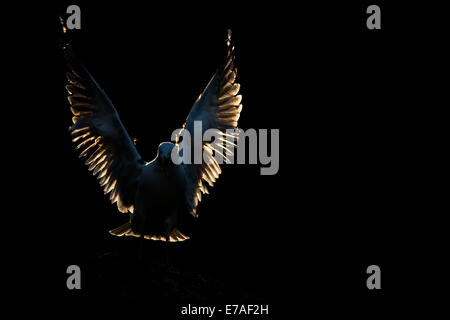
(347, 101)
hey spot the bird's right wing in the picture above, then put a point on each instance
(101, 137)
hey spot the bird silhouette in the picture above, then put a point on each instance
(152, 193)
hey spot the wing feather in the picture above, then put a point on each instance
(100, 136)
(218, 107)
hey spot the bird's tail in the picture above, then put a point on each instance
(125, 230)
(122, 230)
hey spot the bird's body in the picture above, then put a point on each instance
(159, 196)
(151, 193)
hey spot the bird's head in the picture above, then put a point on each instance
(164, 152)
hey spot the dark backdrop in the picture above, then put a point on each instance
(344, 197)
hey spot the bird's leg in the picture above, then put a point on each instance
(167, 250)
(141, 248)
(169, 225)
(169, 268)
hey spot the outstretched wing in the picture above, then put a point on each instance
(218, 107)
(100, 136)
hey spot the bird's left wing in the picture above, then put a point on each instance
(217, 108)
(100, 136)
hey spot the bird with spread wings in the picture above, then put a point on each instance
(152, 193)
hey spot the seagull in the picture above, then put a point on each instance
(151, 193)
